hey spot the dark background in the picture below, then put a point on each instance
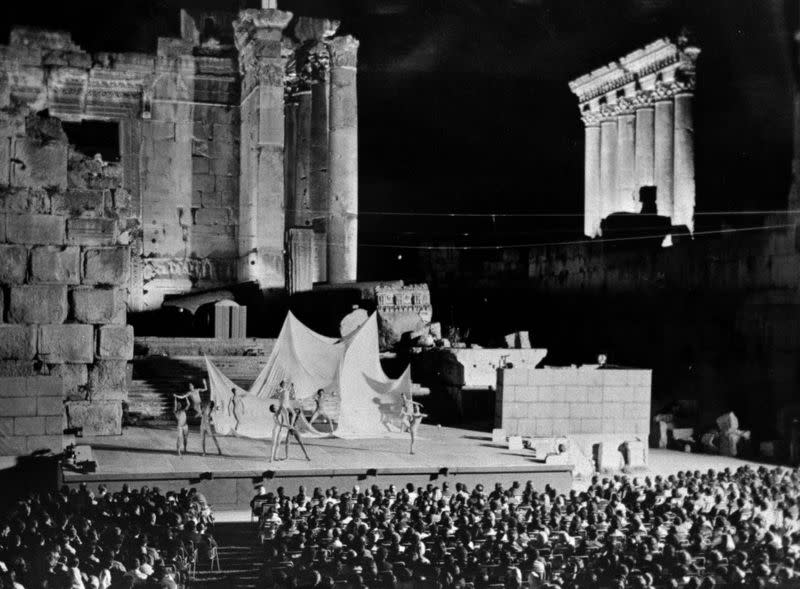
(464, 105)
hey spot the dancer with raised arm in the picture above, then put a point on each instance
(319, 412)
(207, 425)
(236, 408)
(412, 416)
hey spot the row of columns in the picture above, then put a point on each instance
(647, 143)
(299, 161)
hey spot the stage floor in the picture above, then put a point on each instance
(146, 455)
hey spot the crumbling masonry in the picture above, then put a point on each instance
(237, 162)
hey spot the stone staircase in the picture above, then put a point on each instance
(165, 366)
(240, 559)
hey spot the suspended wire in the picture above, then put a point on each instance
(560, 243)
(544, 215)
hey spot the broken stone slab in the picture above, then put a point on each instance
(96, 418)
(115, 342)
(515, 443)
(24, 200)
(109, 265)
(43, 165)
(70, 343)
(13, 264)
(98, 305)
(55, 264)
(45, 303)
(498, 436)
(17, 342)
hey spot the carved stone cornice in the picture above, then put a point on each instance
(344, 52)
(671, 63)
(256, 23)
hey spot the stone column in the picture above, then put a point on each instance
(343, 162)
(663, 168)
(303, 213)
(608, 167)
(645, 147)
(261, 193)
(591, 179)
(626, 180)
(683, 212)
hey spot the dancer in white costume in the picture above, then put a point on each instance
(319, 411)
(412, 416)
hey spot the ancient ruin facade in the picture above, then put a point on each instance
(237, 146)
(640, 133)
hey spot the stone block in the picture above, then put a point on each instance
(51, 442)
(13, 446)
(202, 183)
(38, 304)
(43, 165)
(17, 342)
(115, 342)
(612, 410)
(55, 425)
(35, 229)
(80, 203)
(544, 427)
(106, 266)
(212, 216)
(591, 426)
(49, 406)
(560, 410)
(498, 436)
(614, 394)
(581, 411)
(615, 377)
(10, 368)
(13, 264)
(14, 386)
(548, 394)
(71, 343)
(224, 166)
(55, 264)
(201, 165)
(561, 427)
(91, 232)
(73, 376)
(45, 386)
(515, 443)
(6, 426)
(98, 305)
(18, 406)
(108, 375)
(29, 426)
(24, 201)
(97, 418)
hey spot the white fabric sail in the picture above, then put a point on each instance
(347, 369)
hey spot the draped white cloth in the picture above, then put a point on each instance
(347, 369)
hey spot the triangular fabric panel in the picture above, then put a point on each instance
(348, 369)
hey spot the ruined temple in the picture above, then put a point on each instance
(235, 147)
(228, 156)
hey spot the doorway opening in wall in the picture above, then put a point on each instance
(93, 137)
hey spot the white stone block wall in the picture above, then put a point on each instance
(565, 401)
(31, 414)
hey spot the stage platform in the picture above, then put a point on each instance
(147, 456)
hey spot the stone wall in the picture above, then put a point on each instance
(716, 317)
(31, 414)
(64, 265)
(551, 402)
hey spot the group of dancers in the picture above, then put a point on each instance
(287, 415)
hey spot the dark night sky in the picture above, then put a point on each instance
(464, 105)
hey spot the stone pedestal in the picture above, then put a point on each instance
(684, 186)
(591, 179)
(97, 418)
(343, 162)
(261, 180)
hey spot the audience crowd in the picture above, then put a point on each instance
(78, 539)
(692, 529)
